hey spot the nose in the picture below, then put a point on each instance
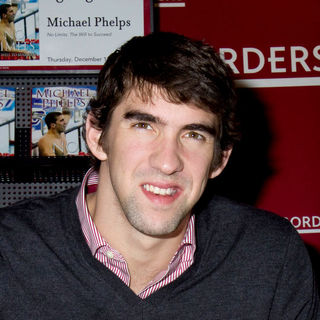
(166, 156)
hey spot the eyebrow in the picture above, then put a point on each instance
(142, 116)
(201, 127)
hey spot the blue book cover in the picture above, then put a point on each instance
(57, 118)
(20, 40)
(7, 121)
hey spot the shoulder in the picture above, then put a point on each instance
(33, 234)
(246, 226)
(47, 203)
(230, 211)
(34, 214)
(252, 237)
(254, 250)
(45, 139)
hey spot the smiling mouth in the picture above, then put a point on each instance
(160, 191)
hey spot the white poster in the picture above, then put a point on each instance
(67, 34)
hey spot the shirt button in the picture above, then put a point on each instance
(110, 254)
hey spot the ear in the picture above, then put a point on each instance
(92, 138)
(225, 158)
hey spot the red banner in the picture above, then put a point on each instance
(274, 50)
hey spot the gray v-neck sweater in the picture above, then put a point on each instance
(249, 264)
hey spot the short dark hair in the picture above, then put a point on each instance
(185, 71)
(4, 9)
(51, 117)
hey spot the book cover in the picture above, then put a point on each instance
(7, 121)
(19, 30)
(57, 118)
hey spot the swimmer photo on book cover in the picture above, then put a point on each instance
(7, 121)
(57, 117)
(19, 30)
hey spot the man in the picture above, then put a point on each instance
(8, 31)
(54, 142)
(135, 241)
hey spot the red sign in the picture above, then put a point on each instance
(273, 48)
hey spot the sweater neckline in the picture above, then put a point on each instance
(100, 274)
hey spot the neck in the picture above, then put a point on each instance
(55, 133)
(132, 244)
(5, 22)
(145, 255)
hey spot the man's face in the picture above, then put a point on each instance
(159, 157)
(10, 14)
(60, 124)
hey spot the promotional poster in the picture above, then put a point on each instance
(7, 121)
(70, 34)
(57, 117)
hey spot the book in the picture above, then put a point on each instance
(7, 121)
(20, 41)
(57, 119)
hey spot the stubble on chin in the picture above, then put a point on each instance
(138, 218)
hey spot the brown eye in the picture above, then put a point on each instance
(195, 135)
(142, 125)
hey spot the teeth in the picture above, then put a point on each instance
(160, 191)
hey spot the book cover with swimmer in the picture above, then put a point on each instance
(7, 121)
(57, 118)
(19, 30)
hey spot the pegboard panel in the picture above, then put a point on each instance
(46, 169)
(23, 176)
(24, 84)
(14, 192)
(22, 142)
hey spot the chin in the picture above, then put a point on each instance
(165, 229)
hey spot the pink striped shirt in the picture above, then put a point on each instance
(114, 261)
